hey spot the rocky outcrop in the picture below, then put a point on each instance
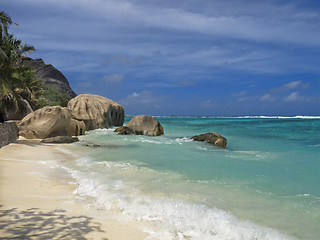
(60, 139)
(8, 133)
(213, 138)
(49, 75)
(142, 125)
(96, 111)
(45, 122)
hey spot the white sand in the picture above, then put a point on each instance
(38, 206)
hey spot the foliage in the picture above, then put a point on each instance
(52, 97)
(17, 83)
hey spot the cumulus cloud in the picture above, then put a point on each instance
(114, 78)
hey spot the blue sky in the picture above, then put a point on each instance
(163, 57)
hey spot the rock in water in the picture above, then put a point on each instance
(96, 111)
(145, 125)
(213, 138)
(60, 139)
(45, 122)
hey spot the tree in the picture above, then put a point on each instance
(5, 21)
(17, 83)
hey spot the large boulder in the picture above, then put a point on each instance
(46, 122)
(96, 111)
(213, 138)
(142, 125)
(8, 133)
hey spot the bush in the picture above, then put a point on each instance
(52, 97)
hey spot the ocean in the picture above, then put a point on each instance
(264, 185)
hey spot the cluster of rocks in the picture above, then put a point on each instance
(84, 112)
(147, 125)
(56, 124)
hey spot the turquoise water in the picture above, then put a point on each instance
(264, 185)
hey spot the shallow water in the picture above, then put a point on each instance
(264, 185)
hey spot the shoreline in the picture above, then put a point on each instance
(37, 200)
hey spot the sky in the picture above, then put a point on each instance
(173, 57)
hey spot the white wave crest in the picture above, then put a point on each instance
(169, 218)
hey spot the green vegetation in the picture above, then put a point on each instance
(52, 97)
(18, 85)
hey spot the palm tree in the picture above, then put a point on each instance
(5, 21)
(17, 83)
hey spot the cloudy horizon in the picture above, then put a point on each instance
(164, 57)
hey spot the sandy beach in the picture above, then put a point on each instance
(37, 201)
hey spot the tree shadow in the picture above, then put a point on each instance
(35, 224)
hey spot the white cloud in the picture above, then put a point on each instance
(132, 33)
(267, 98)
(292, 97)
(114, 78)
(290, 86)
(251, 24)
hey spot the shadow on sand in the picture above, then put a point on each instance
(35, 224)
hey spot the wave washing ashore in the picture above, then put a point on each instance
(264, 185)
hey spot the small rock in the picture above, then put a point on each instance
(213, 138)
(60, 139)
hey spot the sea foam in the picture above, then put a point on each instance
(165, 217)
